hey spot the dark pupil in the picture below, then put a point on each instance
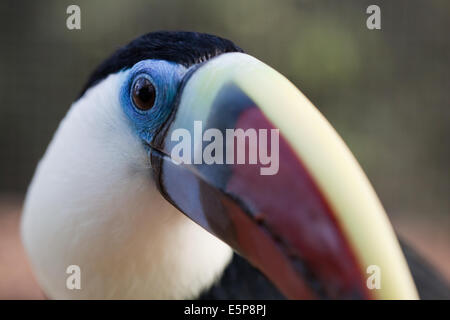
(143, 94)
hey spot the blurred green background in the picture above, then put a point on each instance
(387, 92)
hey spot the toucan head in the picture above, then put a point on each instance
(180, 147)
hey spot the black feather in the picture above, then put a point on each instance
(185, 48)
(242, 281)
(430, 284)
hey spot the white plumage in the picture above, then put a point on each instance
(92, 203)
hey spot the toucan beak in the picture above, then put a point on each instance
(296, 203)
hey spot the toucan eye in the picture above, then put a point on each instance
(144, 94)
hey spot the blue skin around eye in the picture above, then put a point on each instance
(166, 78)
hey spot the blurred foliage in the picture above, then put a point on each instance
(386, 92)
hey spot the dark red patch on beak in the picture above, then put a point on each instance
(289, 209)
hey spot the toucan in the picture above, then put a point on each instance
(141, 221)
